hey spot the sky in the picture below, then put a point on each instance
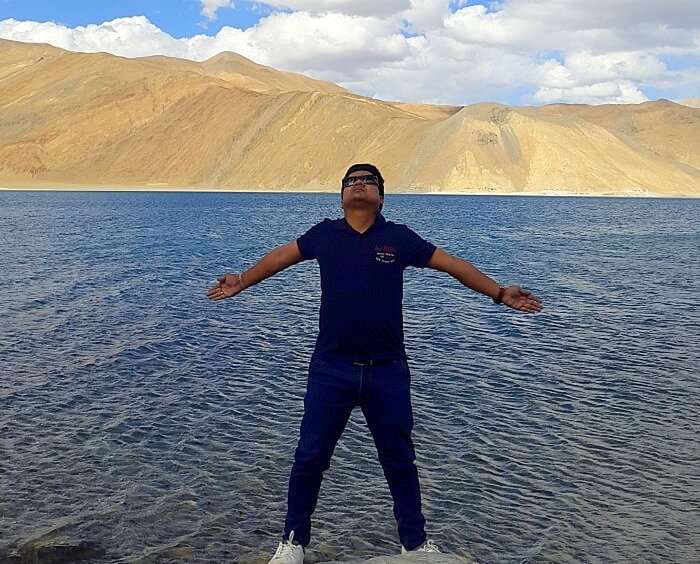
(516, 52)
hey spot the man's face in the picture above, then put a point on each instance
(362, 194)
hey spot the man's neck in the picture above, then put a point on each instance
(360, 219)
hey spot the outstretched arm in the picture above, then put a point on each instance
(472, 277)
(229, 285)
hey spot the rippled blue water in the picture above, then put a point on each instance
(136, 414)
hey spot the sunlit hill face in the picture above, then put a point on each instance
(360, 194)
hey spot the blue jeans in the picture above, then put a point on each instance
(335, 387)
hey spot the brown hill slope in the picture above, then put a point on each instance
(239, 71)
(668, 130)
(96, 119)
(691, 102)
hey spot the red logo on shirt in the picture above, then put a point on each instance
(385, 254)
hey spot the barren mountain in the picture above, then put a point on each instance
(100, 120)
(691, 102)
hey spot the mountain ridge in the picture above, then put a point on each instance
(93, 119)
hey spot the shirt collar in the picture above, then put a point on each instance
(343, 225)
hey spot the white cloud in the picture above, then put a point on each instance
(129, 37)
(328, 41)
(612, 92)
(476, 25)
(420, 50)
(426, 15)
(565, 25)
(377, 8)
(211, 7)
(589, 79)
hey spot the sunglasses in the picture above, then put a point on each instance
(366, 179)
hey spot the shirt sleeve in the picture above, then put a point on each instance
(310, 242)
(418, 250)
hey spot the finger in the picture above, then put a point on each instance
(213, 290)
(530, 297)
(521, 305)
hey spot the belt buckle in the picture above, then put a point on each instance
(363, 362)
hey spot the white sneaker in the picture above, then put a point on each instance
(288, 553)
(427, 546)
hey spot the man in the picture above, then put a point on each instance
(359, 358)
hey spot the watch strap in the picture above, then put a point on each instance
(499, 298)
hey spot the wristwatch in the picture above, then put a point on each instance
(499, 298)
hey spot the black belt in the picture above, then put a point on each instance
(373, 362)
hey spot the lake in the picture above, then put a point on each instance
(138, 415)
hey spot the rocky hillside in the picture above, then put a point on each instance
(100, 120)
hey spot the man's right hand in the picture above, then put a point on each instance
(227, 286)
(273, 262)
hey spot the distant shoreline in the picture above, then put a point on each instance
(175, 189)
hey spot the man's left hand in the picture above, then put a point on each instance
(523, 300)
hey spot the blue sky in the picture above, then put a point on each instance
(180, 18)
(517, 52)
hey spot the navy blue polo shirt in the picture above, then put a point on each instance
(362, 285)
